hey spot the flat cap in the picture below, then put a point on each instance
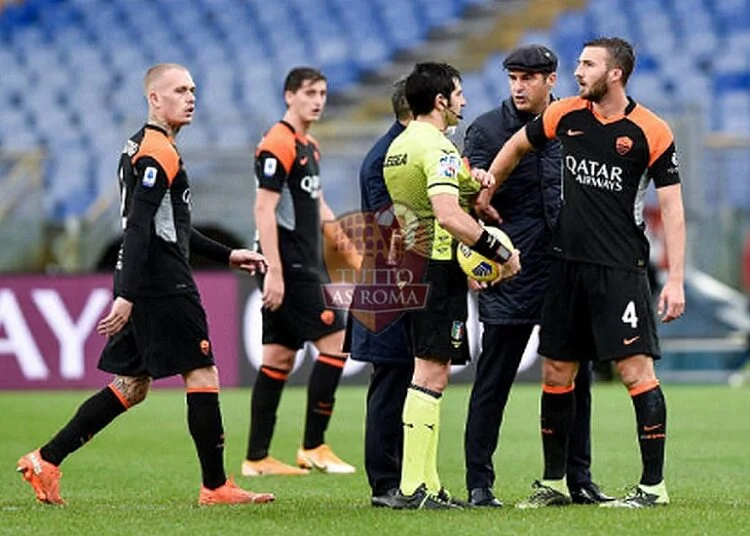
(531, 58)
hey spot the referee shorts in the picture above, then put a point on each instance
(438, 332)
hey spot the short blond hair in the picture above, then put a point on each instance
(155, 72)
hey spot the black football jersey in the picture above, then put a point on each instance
(289, 163)
(607, 165)
(155, 211)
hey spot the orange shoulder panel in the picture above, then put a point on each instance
(557, 110)
(159, 147)
(658, 134)
(280, 141)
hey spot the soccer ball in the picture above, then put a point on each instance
(479, 267)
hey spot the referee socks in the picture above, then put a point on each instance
(421, 419)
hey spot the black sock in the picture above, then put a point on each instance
(651, 416)
(558, 413)
(321, 388)
(204, 422)
(263, 406)
(92, 416)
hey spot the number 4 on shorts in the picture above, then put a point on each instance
(629, 316)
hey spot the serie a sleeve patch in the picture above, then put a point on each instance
(149, 177)
(448, 166)
(269, 167)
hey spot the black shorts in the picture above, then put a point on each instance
(438, 332)
(303, 315)
(597, 313)
(164, 337)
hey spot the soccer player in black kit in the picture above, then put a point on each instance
(156, 326)
(289, 213)
(529, 203)
(598, 301)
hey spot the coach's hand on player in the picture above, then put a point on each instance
(116, 319)
(273, 289)
(671, 301)
(249, 261)
(485, 210)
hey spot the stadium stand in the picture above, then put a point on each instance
(68, 84)
(687, 50)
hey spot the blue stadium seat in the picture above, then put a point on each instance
(68, 65)
(364, 31)
(438, 12)
(402, 23)
(733, 111)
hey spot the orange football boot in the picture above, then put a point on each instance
(43, 477)
(323, 459)
(230, 493)
(270, 466)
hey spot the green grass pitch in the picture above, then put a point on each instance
(140, 476)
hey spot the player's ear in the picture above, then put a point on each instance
(153, 98)
(551, 79)
(615, 74)
(288, 96)
(441, 102)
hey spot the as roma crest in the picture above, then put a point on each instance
(623, 144)
(373, 269)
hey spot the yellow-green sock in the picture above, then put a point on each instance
(557, 485)
(420, 411)
(431, 477)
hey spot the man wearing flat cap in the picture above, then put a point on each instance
(526, 207)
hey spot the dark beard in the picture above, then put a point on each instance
(598, 90)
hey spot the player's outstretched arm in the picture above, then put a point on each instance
(508, 157)
(672, 297)
(209, 248)
(249, 261)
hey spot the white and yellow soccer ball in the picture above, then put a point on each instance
(479, 267)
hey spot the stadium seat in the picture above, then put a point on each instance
(68, 64)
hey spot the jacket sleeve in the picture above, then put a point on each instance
(477, 148)
(374, 192)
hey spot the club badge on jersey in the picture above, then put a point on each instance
(149, 177)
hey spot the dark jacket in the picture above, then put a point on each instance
(388, 345)
(529, 203)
